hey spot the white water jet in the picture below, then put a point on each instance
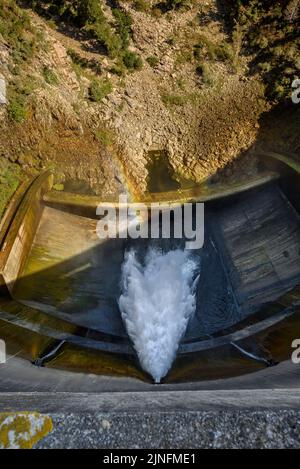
(157, 303)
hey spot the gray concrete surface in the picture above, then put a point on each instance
(180, 430)
(173, 420)
(152, 402)
(18, 375)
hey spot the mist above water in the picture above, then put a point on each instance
(158, 299)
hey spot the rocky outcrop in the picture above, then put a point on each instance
(203, 118)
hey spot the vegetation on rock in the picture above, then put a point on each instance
(99, 89)
(80, 100)
(10, 177)
(270, 34)
(112, 39)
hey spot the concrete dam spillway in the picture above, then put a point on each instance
(63, 295)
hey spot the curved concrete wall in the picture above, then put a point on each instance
(22, 228)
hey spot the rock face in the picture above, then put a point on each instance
(203, 118)
(57, 131)
(199, 138)
(200, 127)
(3, 99)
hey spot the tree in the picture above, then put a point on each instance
(89, 11)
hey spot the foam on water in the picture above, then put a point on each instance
(157, 302)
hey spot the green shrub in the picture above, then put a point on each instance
(168, 5)
(153, 61)
(141, 5)
(206, 49)
(76, 58)
(171, 41)
(89, 11)
(123, 25)
(80, 63)
(50, 76)
(16, 29)
(118, 69)
(110, 41)
(132, 61)
(173, 100)
(17, 108)
(26, 84)
(19, 91)
(99, 89)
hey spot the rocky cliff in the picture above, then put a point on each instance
(93, 87)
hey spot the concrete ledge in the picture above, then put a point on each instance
(86, 205)
(18, 375)
(173, 420)
(180, 430)
(153, 401)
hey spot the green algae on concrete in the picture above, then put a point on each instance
(74, 358)
(86, 205)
